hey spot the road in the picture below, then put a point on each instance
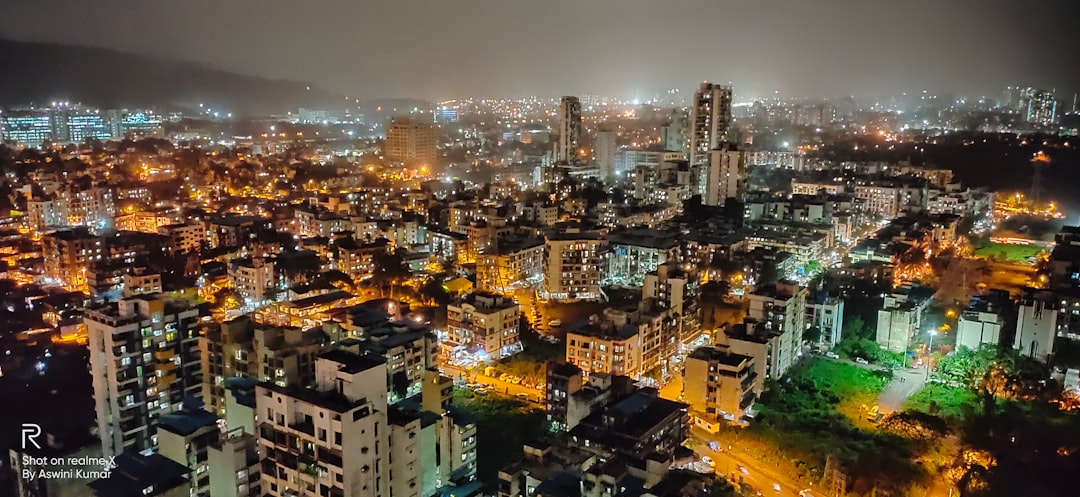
(905, 383)
(535, 396)
(757, 475)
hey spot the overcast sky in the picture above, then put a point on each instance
(623, 48)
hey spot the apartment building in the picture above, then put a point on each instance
(144, 362)
(514, 261)
(184, 237)
(332, 439)
(67, 255)
(572, 265)
(185, 436)
(234, 465)
(254, 278)
(899, 319)
(719, 386)
(241, 348)
(482, 325)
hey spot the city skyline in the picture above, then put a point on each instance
(799, 50)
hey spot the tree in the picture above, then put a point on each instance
(399, 384)
(856, 328)
(390, 269)
(228, 299)
(812, 334)
(433, 290)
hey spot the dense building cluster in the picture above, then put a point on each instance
(289, 312)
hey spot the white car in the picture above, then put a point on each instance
(776, 486)
(832, 355)
(708, 460)
(860, 360)
(743, 470)
(555, 323)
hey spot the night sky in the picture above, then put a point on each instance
(623, 48)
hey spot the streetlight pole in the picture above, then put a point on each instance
(932, 333)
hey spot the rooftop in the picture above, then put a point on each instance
(720, 355)
(187, 421)
(135, 474)
(353, 363)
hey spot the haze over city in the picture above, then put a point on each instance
(619, 48)
(600, 248)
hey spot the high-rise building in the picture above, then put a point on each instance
(605, 150)
(87, 125)
(185, 437)
(30, 127)
(1041, 108)
(242, 348)
(234, 465)
(339, 437)
(673, 133)
(572, 265)
(411, 142)
(569, 129)
(333, 435)
(710, 121)
(144, 362)
(724, 176)
(60, 123)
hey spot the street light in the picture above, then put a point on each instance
(932, 334)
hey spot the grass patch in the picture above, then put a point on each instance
(502, 426)
(1008, 252)
(954, 403)
(808, 416)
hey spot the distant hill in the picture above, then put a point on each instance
(40, 73)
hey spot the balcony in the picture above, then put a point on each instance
(166, 380)
(164, 354)
(305, 426)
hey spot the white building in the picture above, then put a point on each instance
(710, 121)
(332, 436)
(1036, 327)
(572, 265)
(604, 151)
(725, 176)
(252, 277)
(828, 316)
(980, 323)
(184, 237)
(234, 465)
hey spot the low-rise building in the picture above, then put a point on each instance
(1036, 326)
(982, 320)
(254, 278)
(718, 385)
(482, 325)
(898, 320)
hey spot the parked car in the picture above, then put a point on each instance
(708, 460)
(860, 360)
(832, 355)
(523, 396)
(776, 486)
(555, 323)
